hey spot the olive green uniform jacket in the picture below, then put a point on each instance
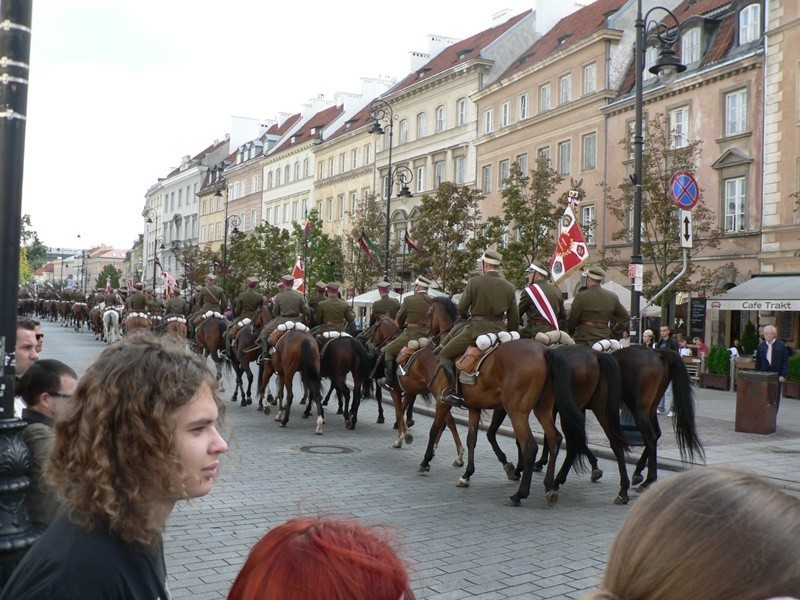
(413, 319)
(599, 306)
(332, 314)
(177, 306)
(290, 305)
(138, 302)
(249, 302)
(385, 306)
(536, 321)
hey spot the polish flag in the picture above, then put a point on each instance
(299, 282)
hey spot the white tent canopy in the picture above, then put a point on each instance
(367, 299)
(624, 295)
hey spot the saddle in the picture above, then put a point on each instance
(554, 338)
(409, 353)
(236, 328)
(207, 315)
(469, 363)
(281, 330)
(324, 339)
(606, 345)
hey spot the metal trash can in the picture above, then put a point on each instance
(756, 402)
(629, 427)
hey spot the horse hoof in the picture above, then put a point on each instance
(306, 415)
(537, 468)
(395, 425)
(271, 400)
(408, 438)
(283, 425)
(409, 422)
(397, 444)
(552, 497)
(511, 502)
(462, 483)
(637, 479)
(620, 500)
(596, 475)
(380, 420)
(340, 412)
(422, 469)
(459, 462)
(348, 424)
(510, 470)
(641, 488)
(265, 409)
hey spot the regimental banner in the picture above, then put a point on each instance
(571, 250)
(298, 274)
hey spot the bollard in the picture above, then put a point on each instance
(629, 427)
(756, 402)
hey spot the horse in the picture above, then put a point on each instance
(345, 355)
(297, 351)
(110, 325)
(646, 373)
(515, 377)
(136, 322)
(209, 339)
(383, 331)
(176, 326)
(246, 350)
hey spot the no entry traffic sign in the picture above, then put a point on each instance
(684, 190)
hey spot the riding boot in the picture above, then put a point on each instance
(452, 399)
(264, 358)
(389, 369)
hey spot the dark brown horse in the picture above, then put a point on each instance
(515, 377)
(297, 352)
(646, 373)
(209, 337)
(345, 355)
(246, 350)
(136, 322)
(80, 315)
(176, 326)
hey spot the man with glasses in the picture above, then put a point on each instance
(47, 388)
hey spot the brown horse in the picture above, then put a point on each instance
(515, 377)
(345, 355)
(176, 326)
(646, 373)
(209, 337)
(246, 350)
(136, 322)
(297, 352)
(80, 315)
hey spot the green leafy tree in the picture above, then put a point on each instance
(35, 250)
(197, 262)
(661, 248)
(25, 270)
(323, 253)
(362, 272)
(267, 253)
(526, 230)
(108, 272)
(448, 232)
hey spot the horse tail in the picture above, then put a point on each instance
(308, 370)
(573, 421)
(363, 359)
(609, 367)
(686, 435)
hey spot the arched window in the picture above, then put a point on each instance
(404, 131)
(441, 118)
(286, 173)
(461, 111)
(422, 125)
(297, 170)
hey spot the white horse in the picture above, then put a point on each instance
(111, 325)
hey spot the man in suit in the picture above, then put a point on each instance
(592, 310)
(772, 356)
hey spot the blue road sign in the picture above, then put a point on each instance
(684, 190)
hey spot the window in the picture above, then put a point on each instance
(441, 117)
(422, 125)
(254, 218)
(505, 114)
(734, 204)
(461, 111)
(295, 208)
(286, 174)
(296, 171)
(321, 171)
(544, 98)
(180, 197)
(420, 177)
(340, 204)
(505, 166)
(256, 183)
(404, 131)
(565, 88)
(589, 79)
(589, 151)
(523, 107)
(587, 222)
(486, 179)
(331, 167)
(438, 173)
(277, 177)
(564, 157)
(522, 163)
(203, 234)
(330, 209)
(544, 152)
(749, 24)
(367, 154)
(488, 120)
(736, 112)
(354, 158)
(268, 215)
(306, 168)
(650, 58)
(461, 169)
(342, 162)
(285, 210)
(679, 126)
(690, 46)
(353, 203)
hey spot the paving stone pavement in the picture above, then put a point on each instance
(459, 543)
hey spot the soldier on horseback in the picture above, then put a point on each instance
(413, 317)
(176, 305)
(313, 303)
(247, 305)
(541, 303)
(290, 305)
(138, 302)
(592, 310)
(386, 306)
(333, 313)
(210, 298)
(485, 301)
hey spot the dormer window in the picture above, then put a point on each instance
(749, 24)
(690, 46)
(464, 53)
(422, 72)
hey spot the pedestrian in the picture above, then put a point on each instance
(39, 332)
(647, 338)
(666, 342)
(593, 310)
(47, 387)
(412, 318)
(140, 436)
(541, 304)
(772, 356)
(322, 559)
(25, 355)
(713, 533)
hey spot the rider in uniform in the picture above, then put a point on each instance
(176, 306)
(413, 320)
(314, 301)
(486, 299)
(333, 312)
(208, 298)
(386, 305)
(247, 305)
(547, 294)
(592, 310)
(290, 305)
(138, 302)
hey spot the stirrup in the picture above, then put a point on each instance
(385, 385)
(453, 400)
(263, 358)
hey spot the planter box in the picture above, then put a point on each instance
(791, 389)
(715, 382)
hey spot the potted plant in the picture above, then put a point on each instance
(718, 369)
(749, 339)
(791, 387)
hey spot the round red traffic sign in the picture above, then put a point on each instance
(684, 190)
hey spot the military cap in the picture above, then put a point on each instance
(423, 281)
(288, 279)
(490, 257)
(595, 273)
(197, 288)
(252, 281)
(333, 286)
(384, 286)
(211, 277)
(138, 285)
(536, 267)
(321, 285)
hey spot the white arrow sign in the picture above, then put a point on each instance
(686, 228)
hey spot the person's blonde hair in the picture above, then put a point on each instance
(711, 533)
(114, 462)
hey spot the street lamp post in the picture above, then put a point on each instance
(159, 240)
(667, 68)
(381, 111)
(149, 215)
(233, 223)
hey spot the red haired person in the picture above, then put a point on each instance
(322, 559)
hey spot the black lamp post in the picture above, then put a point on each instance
(231, 223)
(381, 111)
(158, 243)
(667, 68)
(150, 216)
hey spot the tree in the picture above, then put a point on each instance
(35, 250)
(361, 271)
(449, 235)
(197, 262)
(661, 249)
(25, 270)
(268, 254)
(108, 273)
(530, 213)
(322, 252)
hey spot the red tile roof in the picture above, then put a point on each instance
(570, 29)
(311, 128)
(467, 49)
(690, 8)
(279, 129)
(359, 119)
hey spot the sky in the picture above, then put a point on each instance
(120, 91)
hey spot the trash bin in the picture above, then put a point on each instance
(629, 427)
(756, 402)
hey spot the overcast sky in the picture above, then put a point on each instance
(120, 91)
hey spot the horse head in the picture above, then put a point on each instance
(383, 330)
(442, 314)
(262, 317)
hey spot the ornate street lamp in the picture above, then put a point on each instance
(667, 67)
(157, 244)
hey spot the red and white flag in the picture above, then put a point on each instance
(299, 281)
(571, 250)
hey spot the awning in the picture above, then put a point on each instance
(762, 292)
(624, 295)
